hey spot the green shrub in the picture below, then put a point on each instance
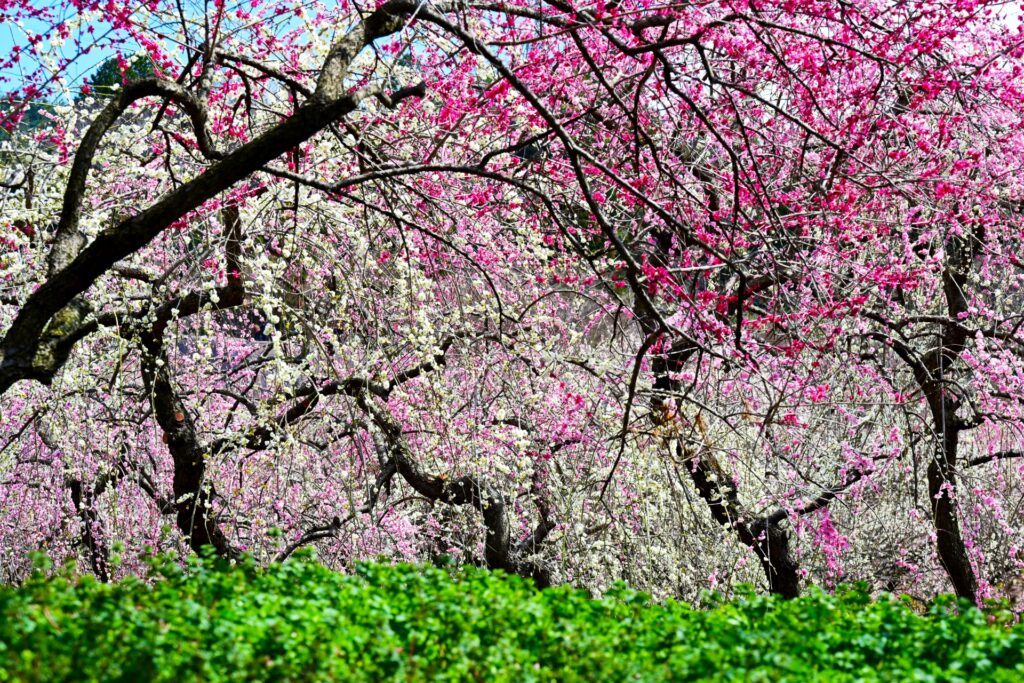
(299, 621)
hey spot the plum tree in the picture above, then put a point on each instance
(676, 293)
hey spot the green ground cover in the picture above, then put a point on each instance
(299, 621)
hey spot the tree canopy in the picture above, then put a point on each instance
(685, 294)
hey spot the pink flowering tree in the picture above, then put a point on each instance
(673, 293)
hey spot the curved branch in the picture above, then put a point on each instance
(75, 269)
(67, 242)
(1001, 455)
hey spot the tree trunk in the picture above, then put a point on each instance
(942, 494)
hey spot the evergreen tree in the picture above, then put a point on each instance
(105, 81)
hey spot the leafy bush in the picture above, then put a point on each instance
(301, 621)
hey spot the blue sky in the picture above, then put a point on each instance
(81, 66)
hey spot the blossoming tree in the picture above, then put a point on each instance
(681, 293)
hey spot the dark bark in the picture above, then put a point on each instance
(499, 552)
(191, 492)
(84, 499)
(772, 548)
(942, 487)
(930, 373)
(948, 541)
(765, 536)
(942, 480)
(192, 500)
(32, 348)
